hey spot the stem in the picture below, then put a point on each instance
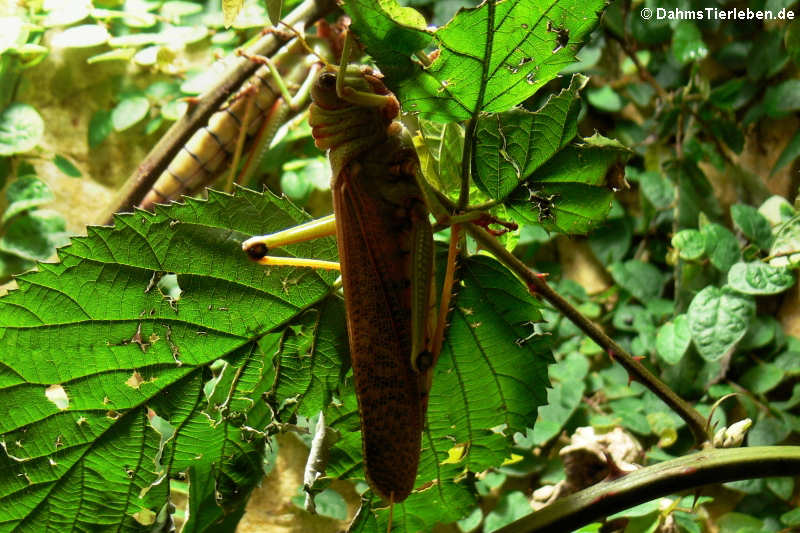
(162, 153)
(662, 479)
(637, 371)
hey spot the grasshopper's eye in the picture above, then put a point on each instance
(327, 80)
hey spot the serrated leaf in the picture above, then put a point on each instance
(26, 192)
(510, 146)
(21, 129)
(491, 58)
(718, 319)
(572, 191)
(101, 460)
(759, 278)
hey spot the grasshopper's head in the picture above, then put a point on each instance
(356, 86)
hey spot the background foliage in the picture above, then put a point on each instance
(692, 267)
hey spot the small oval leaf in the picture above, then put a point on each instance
(759, 278)
(21, 129)
(718, 319)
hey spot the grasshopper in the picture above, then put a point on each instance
(385, 243)
(253, 115)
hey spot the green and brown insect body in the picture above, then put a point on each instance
(211, 148)
(385, 251)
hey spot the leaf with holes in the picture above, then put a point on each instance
(145, 353)
(491, 58)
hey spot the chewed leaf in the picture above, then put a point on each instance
(510, 146)
(145, 353)
(572, 191)
(491, 58)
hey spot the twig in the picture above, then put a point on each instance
(162, 153)
(637, 371)
(644, 74)
(662, 479)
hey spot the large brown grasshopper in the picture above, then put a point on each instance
(385, 245)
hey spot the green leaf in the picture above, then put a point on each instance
(24, 193)
(783, 98)
(510, 146)
(657, 189)
(230, 10)
(643, 280)
(605, 99)
(738, 522)
(718, 319)
(752, 224)
(66, 166)
(484, 377)
(128, 112)
(761, 378)
(791, 518)
(785, 250)
(767, 431)
(721, 246)
(512, 506)
(572, 192)
(83, 36)
(695, 195)
(673, 339)
(441, 158)
(690, 243)
(21, 129)
(100, 127)
(759, 278)
(687, 43)
(792, 40)
(34, 235)
(148, 353)
(491, 58)
(789, 154)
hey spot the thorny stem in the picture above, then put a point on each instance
(179, 134)
(637, 371)
(662, 479)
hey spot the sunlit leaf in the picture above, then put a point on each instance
(510, 146)
(491, 58)
(21, 129)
